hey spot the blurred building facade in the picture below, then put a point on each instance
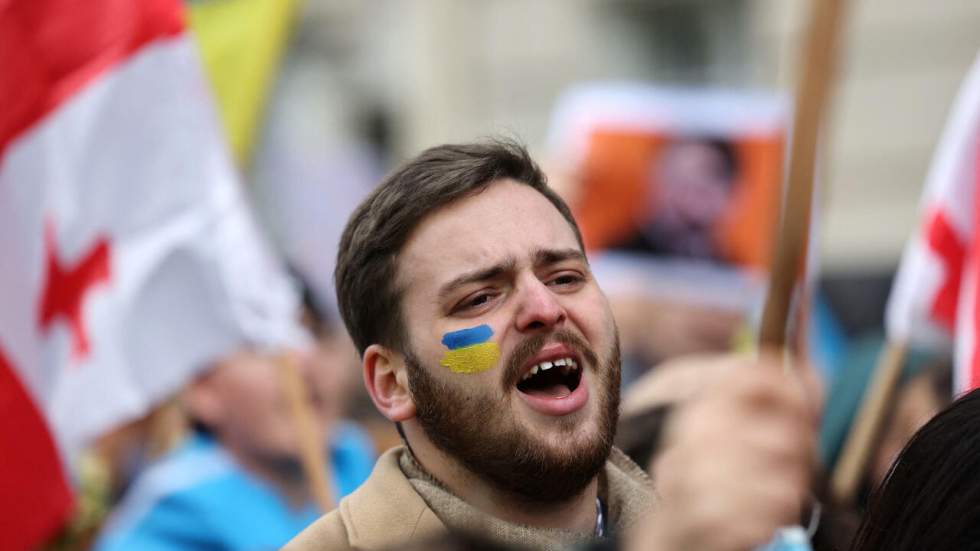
(440, 70)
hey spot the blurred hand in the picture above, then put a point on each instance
(665, 329)
(737, 462)
(674, 381)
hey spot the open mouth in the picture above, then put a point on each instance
(556, 378)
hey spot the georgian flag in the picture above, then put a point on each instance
(128, 256)
(935, 296)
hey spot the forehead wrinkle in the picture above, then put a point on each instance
(433, 247)
(545, 257)
(479, 274)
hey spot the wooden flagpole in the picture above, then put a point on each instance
(817, 63)
(312, 456)
(867, 423)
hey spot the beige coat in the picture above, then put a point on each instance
(387, 511)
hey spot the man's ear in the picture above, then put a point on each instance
(386, 380)
(201, 399)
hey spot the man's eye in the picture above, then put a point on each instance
(474, 302)
(565, 280)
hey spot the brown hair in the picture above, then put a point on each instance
(365, 277)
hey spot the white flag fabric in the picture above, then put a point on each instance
(934, 298)
(130, 258)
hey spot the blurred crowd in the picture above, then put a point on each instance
(670, 183)
(219, 465)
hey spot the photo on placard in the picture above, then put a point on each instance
(675, 174)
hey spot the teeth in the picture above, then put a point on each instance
(567, 365)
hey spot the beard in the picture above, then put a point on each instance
(480, 432)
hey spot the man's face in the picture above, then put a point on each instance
(534, 411)
(694, 183)
(241, 399)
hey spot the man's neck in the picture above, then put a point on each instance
(577, 514)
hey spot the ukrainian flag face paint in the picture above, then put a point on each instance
(470, 350)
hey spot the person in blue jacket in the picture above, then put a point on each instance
(236, 482)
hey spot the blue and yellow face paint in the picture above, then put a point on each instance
(470, 350)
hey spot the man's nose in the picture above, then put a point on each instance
(539, 307)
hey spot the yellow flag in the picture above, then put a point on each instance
(241, 42)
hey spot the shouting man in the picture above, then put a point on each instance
(463, 282)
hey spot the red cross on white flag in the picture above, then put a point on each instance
(935, 301)
(128, 256)
(65, 288)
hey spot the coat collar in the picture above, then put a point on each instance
(386, 511)
(624, 487)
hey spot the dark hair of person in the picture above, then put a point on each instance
(931, 496)
(314, 316)
(726, 150)
(367, 262)
(722, 146)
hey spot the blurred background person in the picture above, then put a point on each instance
(362, 84)
(694, 179)
(235, 481)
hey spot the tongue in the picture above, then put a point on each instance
(556, 390)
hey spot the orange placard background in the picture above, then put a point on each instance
(615, 190)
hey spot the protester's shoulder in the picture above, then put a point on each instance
(386, 503)
(197, 464)
(170, 522)
(163, 502)
(327, 533)
(385, 511)
(630, 490)
(621, 463)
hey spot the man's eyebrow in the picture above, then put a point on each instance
(481, 274)
(544, 257)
